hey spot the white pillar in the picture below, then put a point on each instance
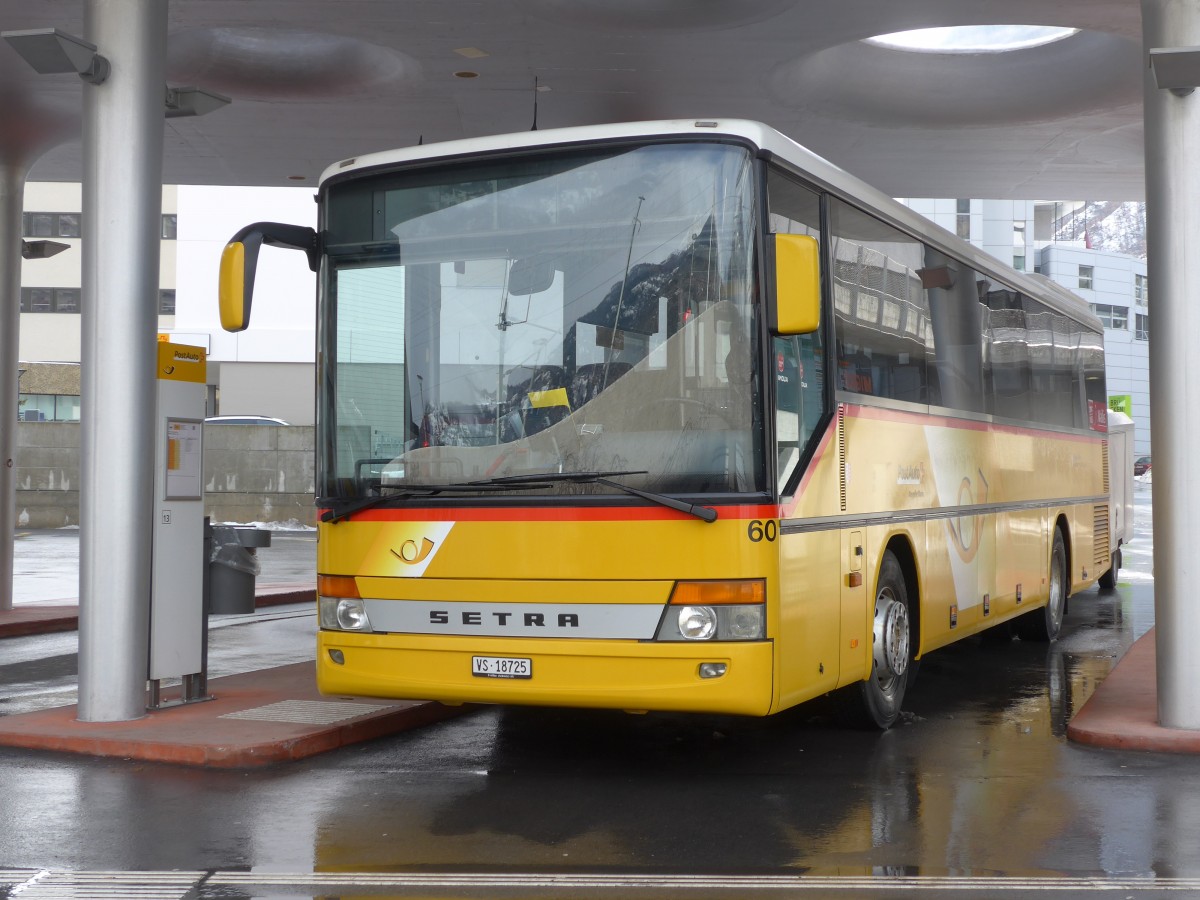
(12, 190)
(1173, 238)
(122, 206)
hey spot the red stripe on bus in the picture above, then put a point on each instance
(548, 514)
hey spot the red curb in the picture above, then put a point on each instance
(1123, 712)
(38, 619)
(197, 735)
(283, 594)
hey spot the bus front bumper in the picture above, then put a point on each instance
(629, 675)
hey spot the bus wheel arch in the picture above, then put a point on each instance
(901, 548)
(1044, 623)
(875, 702)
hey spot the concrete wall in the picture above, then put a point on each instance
(284, 390)
(47, 474)
(252, 473)
(259, 473)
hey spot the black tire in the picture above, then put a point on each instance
(1043, 625)
(1108, 580)
(875, 702)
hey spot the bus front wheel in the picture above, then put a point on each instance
(1044, 624)
(876, 701)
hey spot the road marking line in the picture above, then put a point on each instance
(175, 885)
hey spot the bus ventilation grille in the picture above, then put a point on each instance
(1104, 451)
(841, 439)
(1101, 548)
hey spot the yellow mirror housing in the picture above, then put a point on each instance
(239, 260)
(232, 288)
(796, 295)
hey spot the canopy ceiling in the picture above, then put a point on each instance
(314, 81)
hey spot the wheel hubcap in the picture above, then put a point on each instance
(891, 637)
(1057, 578)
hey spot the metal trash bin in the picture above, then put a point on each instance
(232, 567)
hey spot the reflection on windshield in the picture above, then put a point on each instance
(583, 313)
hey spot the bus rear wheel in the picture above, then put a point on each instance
(1043, 625)
(1108, 580)
(876, 701)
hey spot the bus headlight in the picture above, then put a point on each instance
(745, 623)
(344, 614)
(697, 623)
(716, 611)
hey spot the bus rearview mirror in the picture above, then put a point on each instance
(239, 261)
(796, 296)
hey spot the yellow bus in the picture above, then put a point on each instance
(677, 416)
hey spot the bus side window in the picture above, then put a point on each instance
(881, 309)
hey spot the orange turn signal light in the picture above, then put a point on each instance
(718, 593)
(337, 586)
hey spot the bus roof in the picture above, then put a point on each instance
(770, 143)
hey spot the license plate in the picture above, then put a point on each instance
(501, 667)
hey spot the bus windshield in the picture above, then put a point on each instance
(563, 313)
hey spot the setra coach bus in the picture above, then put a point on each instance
(677, 416)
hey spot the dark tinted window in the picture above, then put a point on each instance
(916, 325)
(884, 340)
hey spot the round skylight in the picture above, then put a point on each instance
(973, 38)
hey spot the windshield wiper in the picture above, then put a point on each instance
(507, 482)
(605, 478)
(336, 514)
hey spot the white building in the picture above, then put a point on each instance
(266, 370)
(51, 297)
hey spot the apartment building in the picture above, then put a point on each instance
(51, 299)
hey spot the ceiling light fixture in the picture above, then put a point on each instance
(52, 52)
(1176, 69)
(193, 101)
(42, 249)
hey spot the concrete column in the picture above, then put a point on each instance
(122, 206)
(12, 190)
(1173, 235)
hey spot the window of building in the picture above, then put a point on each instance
(1116, 317)
(963, 220)
(166, 303)
(1142, 324)
(1019, 262)
(1141, 290)
(50, 224)
(66, 300)
(169, 225)
(47, 408)
(1085, 278)
(50, 300)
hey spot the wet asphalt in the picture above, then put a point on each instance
(976, 792)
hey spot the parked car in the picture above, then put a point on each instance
(1141, 465)
(243, 420)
